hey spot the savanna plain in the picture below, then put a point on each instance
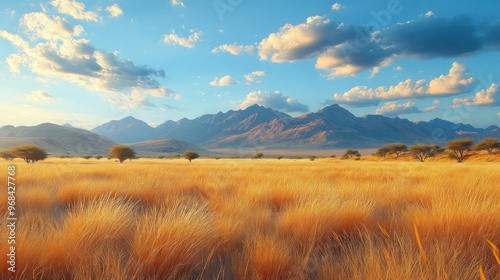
(254, 219)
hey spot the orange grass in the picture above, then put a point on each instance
(256, 219)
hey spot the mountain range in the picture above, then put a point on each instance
(257, 126)
(332, 127)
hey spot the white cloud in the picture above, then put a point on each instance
(337, 6)
(485, 97)
(429, 14)
(456, 82)
(275, 100)
(177, 3)
(40, 96)
(430, 108)
(75, 9)
(114, 11)
(498, 114)
(394, 109)
(187, 42)
(251, 78)
(77, 61)
(302, 41)
(234, 49)
(223, 82)
(398, 68)
(41, 26)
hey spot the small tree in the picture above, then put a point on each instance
(422, 151)
(98, 157)
(279, 157)
(460, 148)
(397, 149)
(29, 153)
(87, 156)
(258, 155)
(7, 155)
(122, 153)
(351, 153)
(312, 158)
(487, 144)
(382, 152)
(190, 155)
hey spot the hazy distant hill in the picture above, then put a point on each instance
(168, 146)
(55, 139)
(127, 130)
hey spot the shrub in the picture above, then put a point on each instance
(98, 157)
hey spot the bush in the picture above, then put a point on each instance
(98, 157)
(312, 158)
(279, 157)
(86, 157)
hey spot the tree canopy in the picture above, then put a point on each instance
(29, 153)
(460, 148)
(122, 153)
(488, 144)
(190, 155)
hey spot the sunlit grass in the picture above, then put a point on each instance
(256, 219)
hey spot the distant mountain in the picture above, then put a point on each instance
(158, 146)
(55, 139)
(330, 127)
(127, 130)
(200, 131)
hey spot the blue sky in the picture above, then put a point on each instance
(88, 62)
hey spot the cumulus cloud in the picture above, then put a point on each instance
(75, 9)
(40, 96)
(275, 100)
(251, 78)
(177, 3)
(224, 81)
(485, 97)
(346, 50)
(75, 60)
(398, 68)
(234, 49)
(41, 26)
(187, 42)
(114, 11)
(336, 6)
(394, 109)
(456, 82)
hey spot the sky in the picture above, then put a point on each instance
(89, 62)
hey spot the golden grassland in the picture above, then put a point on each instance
(255, 219)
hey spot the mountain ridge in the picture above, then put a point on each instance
(330, 127)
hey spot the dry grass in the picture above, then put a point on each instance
(256, 219)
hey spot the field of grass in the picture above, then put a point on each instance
(254, 219)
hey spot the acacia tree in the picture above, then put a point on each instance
(382, 152)
(122, 153)
(258, 155)
(460, 148)
(487, 144)
(190, 155)
(351, 153)
(422, 151)
(29, 153)
(397, 148)
(7, 155)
